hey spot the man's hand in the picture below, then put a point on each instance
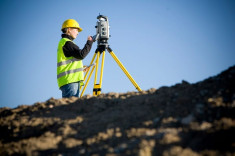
(89, 38)
(86, 69)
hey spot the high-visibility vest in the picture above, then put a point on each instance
(69, 69)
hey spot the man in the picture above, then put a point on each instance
(69, 59)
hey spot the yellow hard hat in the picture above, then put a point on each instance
(71, 23)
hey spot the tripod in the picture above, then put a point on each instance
(101, 51)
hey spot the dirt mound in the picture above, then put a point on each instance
(184, 119)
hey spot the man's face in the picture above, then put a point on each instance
(73, 32)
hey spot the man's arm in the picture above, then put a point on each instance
(71, 49)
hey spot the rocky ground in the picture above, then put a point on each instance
(181, 120)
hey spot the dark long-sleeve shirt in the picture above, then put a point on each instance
(71, 49)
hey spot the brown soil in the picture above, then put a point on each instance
(184, 119)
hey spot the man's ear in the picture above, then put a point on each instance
(68, 31)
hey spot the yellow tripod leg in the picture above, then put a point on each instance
(102, 69)
(88, 69)
(87, 82)
(96, 88)
(88, 77)
(125, 71)
(97, 65)
(90, 64)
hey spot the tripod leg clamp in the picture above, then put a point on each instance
(109, 49)
(97, 89)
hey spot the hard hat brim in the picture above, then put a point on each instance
(79, 29)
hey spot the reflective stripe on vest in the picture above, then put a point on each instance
(69, 69)
(67, 62)
(69, 72)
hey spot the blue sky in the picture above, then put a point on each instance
(160, 42)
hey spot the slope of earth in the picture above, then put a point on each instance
(181, 120)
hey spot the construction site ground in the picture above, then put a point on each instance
(180, 120)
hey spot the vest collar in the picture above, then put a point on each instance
(67, 36)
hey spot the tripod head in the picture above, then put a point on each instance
(102, 30)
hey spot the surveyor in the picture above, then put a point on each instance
(69, 59)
